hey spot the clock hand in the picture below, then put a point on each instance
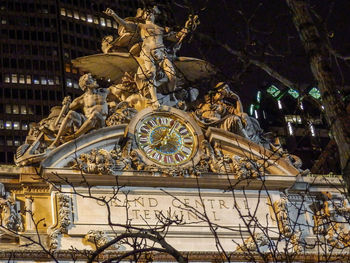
(172, 128)
(156, 143)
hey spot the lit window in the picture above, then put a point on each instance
(36, 80)
(24, 126)
(23, 109)
(16, 143)
(96, 20)
(16, 125)
(15, 109)
(251, 109)
(314, 92)
(74, 71)
(8, 109)
(89, 18)
(3, 21)
(9, 142)
(108, 21)
(43, 80)
(75, 85)
(7, 78)
(83, 17)
(293, 119)
(30, 110)
(301, 105)
(21, 79)
(50, 82)
(69, 83)
(115, 25)
(69, 13)
(294, 93)
(312, 130)
(2, 124)
(102, 21)
(273, 90)
(8, 125)
(14, 78)
(67, 68)
(63, 11)
(29, 79)
(57, 80)
(290, 128)
(322, 107)
(258, 96)
(76, 15)
(279, 104)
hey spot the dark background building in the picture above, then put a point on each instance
(38, 40)
(299, 123)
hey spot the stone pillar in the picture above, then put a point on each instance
(29, 209)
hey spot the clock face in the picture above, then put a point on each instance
(165, 139)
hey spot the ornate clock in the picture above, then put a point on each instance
(166, 137)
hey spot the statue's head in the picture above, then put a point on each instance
(87, 81)
(148, 14)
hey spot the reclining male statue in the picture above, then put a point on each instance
(93, 104)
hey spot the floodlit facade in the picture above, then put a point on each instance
(143, 167)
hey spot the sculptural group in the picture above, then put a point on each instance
(144, 72)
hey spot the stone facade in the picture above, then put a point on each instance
(147, 169)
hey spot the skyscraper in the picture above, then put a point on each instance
(38, 40)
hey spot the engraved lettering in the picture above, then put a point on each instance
(152, 202)
(215, 219)
(139, 201)
(211, 203)
(222, 204)
(198, 203)
(146, 213)
(136, 212)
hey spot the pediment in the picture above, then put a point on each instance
(106, 139)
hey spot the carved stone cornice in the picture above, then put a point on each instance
(157, 179)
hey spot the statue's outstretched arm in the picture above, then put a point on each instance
(120, 21)
(77, 103)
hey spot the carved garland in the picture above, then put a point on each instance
(64, 220)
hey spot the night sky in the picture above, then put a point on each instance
(263, 29)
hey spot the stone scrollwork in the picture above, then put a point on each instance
(98, 238)
(258, 241)
(331, 220)
(246, 168)
(10, 218)
(64, 220)
(122, 113)
(284, 224)
(213, 160)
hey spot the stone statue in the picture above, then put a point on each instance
(127, 92)
(156, 67)
(217, 110)
(93, 103)
(10, 218)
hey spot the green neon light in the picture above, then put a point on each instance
(274, 91)
(293, 93)
(314, 92)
